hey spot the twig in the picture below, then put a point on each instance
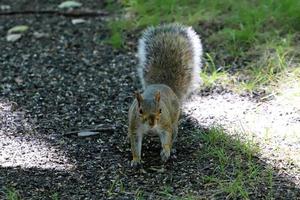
(96, 131)
(73, 13)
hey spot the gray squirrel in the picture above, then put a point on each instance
(169, 69)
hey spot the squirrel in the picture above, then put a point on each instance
(169, 70)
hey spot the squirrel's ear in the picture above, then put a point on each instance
(139, 97)
(157, 96)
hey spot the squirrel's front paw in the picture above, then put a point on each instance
(135, 164)
(165, 154)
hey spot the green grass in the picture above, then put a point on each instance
(211, 75)
(167, 192)
(257, 36)
(12, 194)
(55, 196)
(236, 173)
(117, 186)
(275, 60)
(138, 195)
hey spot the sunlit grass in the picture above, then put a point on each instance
(211, 75)
(275, 59)
(272, 63)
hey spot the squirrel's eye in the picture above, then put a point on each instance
(160, 110)
(141, 111)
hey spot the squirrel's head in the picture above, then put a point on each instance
(149, 109)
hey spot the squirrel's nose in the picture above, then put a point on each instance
(151, 124)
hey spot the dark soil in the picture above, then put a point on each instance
(71, 80)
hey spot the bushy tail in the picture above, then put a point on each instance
(171, 55)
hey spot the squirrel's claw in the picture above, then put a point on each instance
(136, 164)
(173, 151)
(165, 154)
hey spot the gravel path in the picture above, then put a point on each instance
(70, 80)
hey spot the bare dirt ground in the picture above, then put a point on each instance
(70, 80)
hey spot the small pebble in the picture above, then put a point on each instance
(78, 21)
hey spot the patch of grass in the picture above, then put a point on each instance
(258, 36)
(244, 22)
(138, 14)
(248, 23)
(118, 30)
(55, 196)
(12, 194)
(188, 197)
(116, 187)
(211, 75)
(139, 195)
(115, 40)
(167, 192)
(275, 60)
(236, 173)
